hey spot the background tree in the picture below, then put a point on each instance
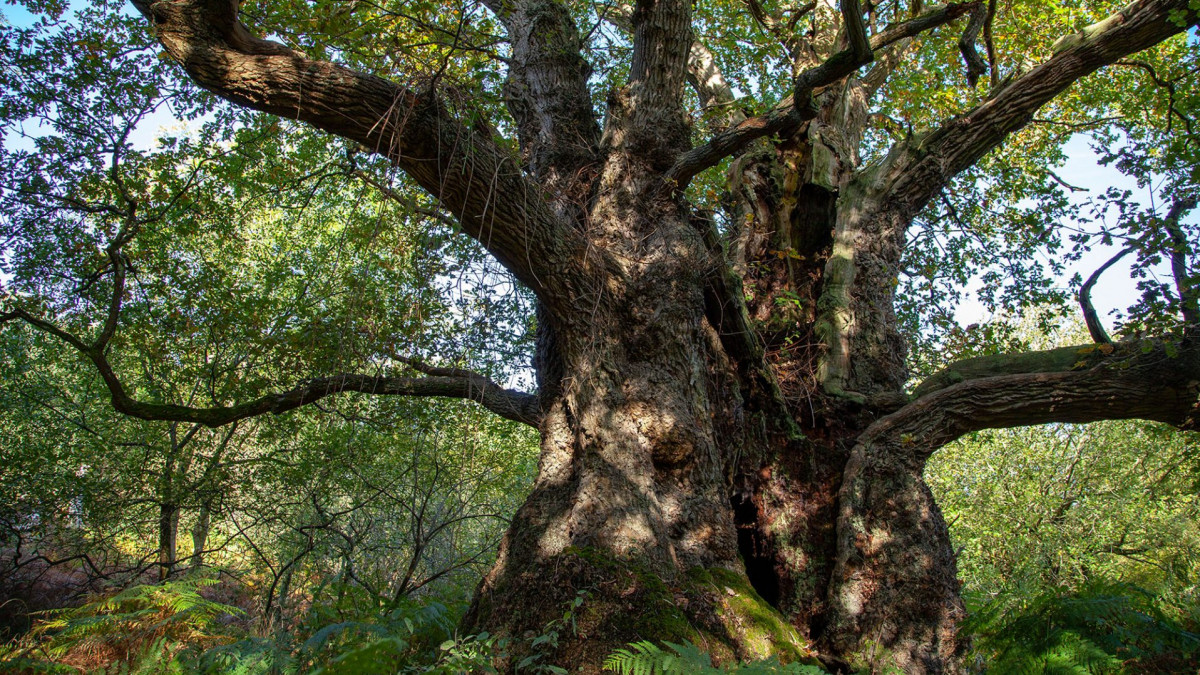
(720, 364)
(1077, 545)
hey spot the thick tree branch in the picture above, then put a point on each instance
(1189, 299)
(662, 36)
(1154, 380)
(703, 73)
(1045, 361)
(709, 83)
(857, 301)
(937, 157)
(442, 382)
(768, 22)
(730, 142)
(859, 52)
(646, 118)
(976, 66)
(547, 90)
(930, 19)
(885, 510)
(460, 165)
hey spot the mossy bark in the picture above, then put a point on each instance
(621, 601)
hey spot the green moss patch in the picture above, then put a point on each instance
(755, 628)
(627, 601)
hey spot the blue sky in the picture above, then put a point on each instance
(1115, 289)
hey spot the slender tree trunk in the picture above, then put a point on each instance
(200, 532)
(168, 531)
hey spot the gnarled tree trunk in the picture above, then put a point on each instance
(728, 454)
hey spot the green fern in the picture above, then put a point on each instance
(646, 658)
(1101, 629)
(248, 656)
(381, 657)
(150, 623)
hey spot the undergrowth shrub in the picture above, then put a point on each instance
(1100, 629)
(153, 622)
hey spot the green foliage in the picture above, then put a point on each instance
(1064, 505)
(1080, 550)
(1101, 628)
(646, 658)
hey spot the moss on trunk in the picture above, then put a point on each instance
(624, 601)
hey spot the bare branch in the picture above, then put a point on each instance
(443, 382)
(45, 326)
(1094, 326)
(1169, 86)
(407, 203)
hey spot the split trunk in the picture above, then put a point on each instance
(728, 454)
(692, 455)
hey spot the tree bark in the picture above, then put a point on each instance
(728, 455)
(200, 532)
(168, 537)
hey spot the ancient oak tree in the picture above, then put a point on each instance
(729, 453)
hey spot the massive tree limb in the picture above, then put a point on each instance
(935, 158)
(709, 83)
(646, 117)
(887, 513)
(478, 181)
(865, 351)
(1150, 379)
